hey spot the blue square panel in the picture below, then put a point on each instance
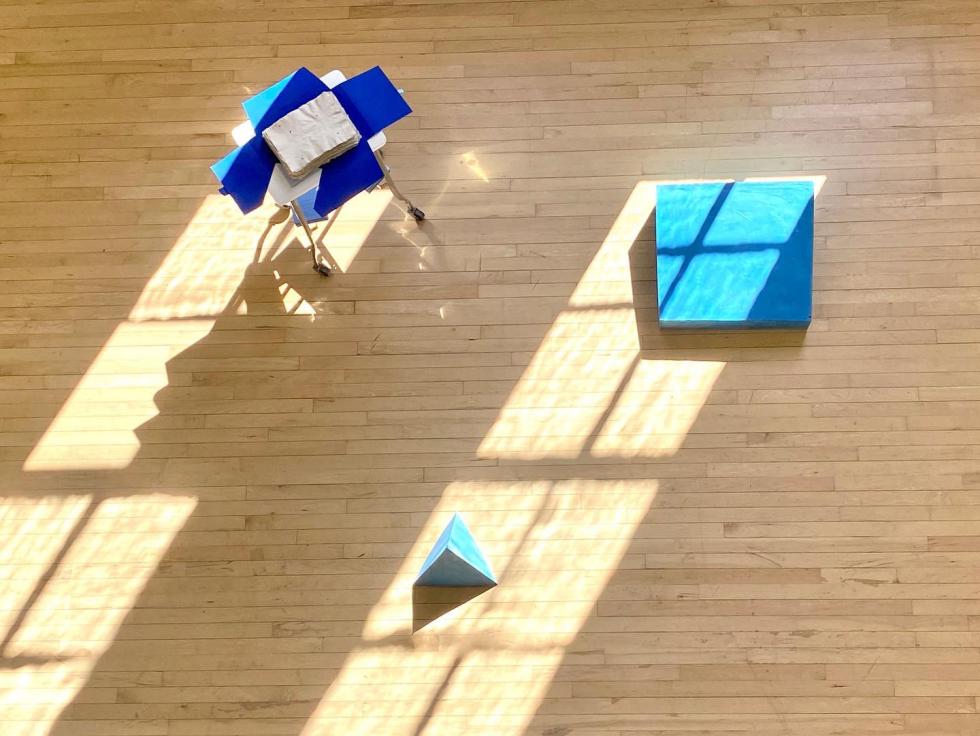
(735, 254)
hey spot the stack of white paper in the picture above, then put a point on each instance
(311, 135)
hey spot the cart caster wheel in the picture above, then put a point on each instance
(321, 269)
(415, 212)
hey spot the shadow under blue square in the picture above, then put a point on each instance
(735, 254)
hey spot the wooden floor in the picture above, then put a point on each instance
(220, 471)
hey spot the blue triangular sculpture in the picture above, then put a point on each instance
(456, 560)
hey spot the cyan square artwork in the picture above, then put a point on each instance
(735, 254)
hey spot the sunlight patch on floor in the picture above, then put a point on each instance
(657, 408)
(485, 667)
(545, 416)
(349, 231)
(95, 427)
(32, 530)
(202, 271)
(586, 389)
(554, 546)
(197, 282)
(76, 610)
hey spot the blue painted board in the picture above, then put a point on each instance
(345, 176)
(456, 560)
(245, 173)
(735, 254)
(372, 102)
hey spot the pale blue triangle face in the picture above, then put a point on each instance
(456, 560)
(258, 104)
(283, 97)
(439, 547)
(461, 542)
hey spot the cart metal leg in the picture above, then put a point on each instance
(414, 211)
(319, 267)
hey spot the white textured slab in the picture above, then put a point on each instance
(311, 135)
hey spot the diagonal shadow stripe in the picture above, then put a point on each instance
(52, 568)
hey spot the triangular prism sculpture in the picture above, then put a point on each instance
(456, 560)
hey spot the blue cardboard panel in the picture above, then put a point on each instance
(372, 102)
(345, 176)
(245, 173)
(282, 98)
(305, 203)
(456, 560)
(735, 254)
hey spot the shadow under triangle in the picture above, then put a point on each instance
(429, 602)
